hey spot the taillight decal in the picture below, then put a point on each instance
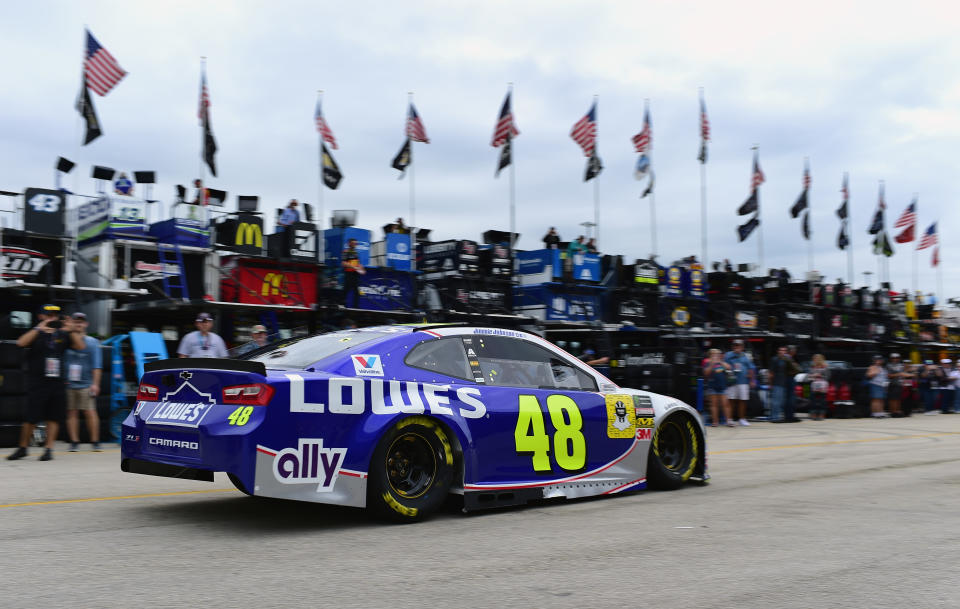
(252, 394)
(148, 393)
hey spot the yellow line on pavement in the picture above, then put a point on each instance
(830, 443)
(88, 499)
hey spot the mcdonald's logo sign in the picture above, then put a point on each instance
(273, 285)
(249, 233)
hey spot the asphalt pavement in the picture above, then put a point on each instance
(840, 513)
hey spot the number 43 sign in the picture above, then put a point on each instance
(44, 211)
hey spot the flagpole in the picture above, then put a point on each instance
(703, 215)
(940, 295)
(596, 178)
(413, 204)
(703, 192)
(756, 148)
(806, 167)
(320, 164)
(203, 140)
(513, 181)
(849, 221)
(916, 224)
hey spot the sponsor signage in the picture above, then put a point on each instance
(309, 463)
(335, 241)
(545, 302)
(260, 281)
(21, 262)
(675, 282)
(147, 271)
(747, 319)
(646, 273)
(242, 234)
(44, 211)
(111, 217)
(399, 251)
(697, 283)
(384, 290)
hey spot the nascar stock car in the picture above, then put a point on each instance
(395, 418)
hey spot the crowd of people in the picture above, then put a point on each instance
(895, 388)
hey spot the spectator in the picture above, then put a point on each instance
(84, 372)
(202, 342)
(123, 185)
(591, 358)
(201, 197)
(877, 382)
(352, 269)
(258, 338)
(789, 404)
(927, 383)
(727, 266)
(744, 372)
(576, 246)
(896, 373)
(909, 396)
(955, 374)
(783, 368)
(551, 240)
(400, 228)
(591, 246)
(948, 379)
(48, 344)
(819, 383)
(715, 378)
(289, 216)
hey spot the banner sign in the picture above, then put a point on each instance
(188, 226)
(495, 261)
(448, 259)
(306, 242)
(747, 319)
(21, 262)
(537, 266)
(385, 290)
(242, 234)
(44, 211)
(259, 282)
(586, 267)
(399, 251)
(829, 295)
(335, 241)
(697, 286)
(675, 282)
(847, 297)
(646, 273)
(111, 217)
(146, 271)
(547, 303)
(798, 322)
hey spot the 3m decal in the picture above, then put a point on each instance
(621, 418)
(367, 365)
(644, 434)
(310, 462)
(645, 423)
(530, 435)
(240, 416)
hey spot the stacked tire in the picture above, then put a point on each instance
(13, 393)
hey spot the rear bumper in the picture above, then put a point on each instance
(151, 468)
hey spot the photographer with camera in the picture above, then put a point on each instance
(48, 342)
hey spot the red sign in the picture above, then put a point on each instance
(265, 285)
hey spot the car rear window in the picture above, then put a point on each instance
(300, 353)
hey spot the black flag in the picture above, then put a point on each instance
(877, 225)
(331, 172)
(594, 167)
(402, 160)
(800, 205)
(744, 230)
(506, 155)
(842, 211)
(882, 245)
(749, 206)
(842, 240)
(89, 114)
(209, 147)
(649, 189)
(806, 226)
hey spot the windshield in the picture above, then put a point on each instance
(300, 353)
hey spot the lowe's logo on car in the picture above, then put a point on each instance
(367, 365)
(184, 407)
(348, 396)
(309, 462)
(175, 443)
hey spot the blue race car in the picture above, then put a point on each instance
(396, 418)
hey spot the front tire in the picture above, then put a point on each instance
(675, 452)
(411, 470)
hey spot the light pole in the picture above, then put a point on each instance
(586, 227)
(866, 277)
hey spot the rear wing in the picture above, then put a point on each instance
(207, 363)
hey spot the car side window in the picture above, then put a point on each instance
(443, 355)
(519, 363)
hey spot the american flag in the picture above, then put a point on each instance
(100, 68)
(757, 179)
(203, 113)
(643, 141)
(505, 126)
(929, 237)
(909, 216)
(415, 128)
(584, 131)
(323, 128)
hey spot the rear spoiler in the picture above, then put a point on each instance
(207, 363)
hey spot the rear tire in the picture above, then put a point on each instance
(675, 452)
(411, 470)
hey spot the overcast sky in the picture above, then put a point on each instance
(871, 88)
